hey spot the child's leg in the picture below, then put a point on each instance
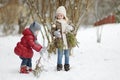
(66, 53)
(66, 65)
(59, 59)
(23, 68)
(29, 64)
(24, 61)
(60, 55)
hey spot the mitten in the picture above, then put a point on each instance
(57, 34)
(43, 50)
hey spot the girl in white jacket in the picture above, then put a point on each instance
(60, 30)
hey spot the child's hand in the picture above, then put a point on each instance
(43, 50)
(69, 28)
(57, 34)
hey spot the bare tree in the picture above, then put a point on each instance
(44, 11)
(9, 15)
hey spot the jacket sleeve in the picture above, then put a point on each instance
(31, 42)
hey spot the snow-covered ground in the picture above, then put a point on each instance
(91, 61)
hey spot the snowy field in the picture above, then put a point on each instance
(91, 61)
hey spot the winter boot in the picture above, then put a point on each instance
(23, 70)
(29, 69)
(67, 67)
(59, 67)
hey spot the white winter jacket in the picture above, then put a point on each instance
(65, 29)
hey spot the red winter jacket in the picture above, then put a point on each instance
(27, 43)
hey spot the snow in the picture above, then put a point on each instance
(91, 61)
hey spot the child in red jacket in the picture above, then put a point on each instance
(25, 46)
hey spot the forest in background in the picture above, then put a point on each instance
(80, 12)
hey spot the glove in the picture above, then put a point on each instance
(69, 28)
(57, 34)
(43, 50)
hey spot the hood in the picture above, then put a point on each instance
(27, 31)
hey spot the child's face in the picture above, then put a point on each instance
(36, 32)
(60, 16)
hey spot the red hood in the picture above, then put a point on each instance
(27, 32)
